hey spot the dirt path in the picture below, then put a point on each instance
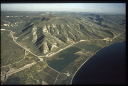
(94, 54)
(10, 57)
(58, 50)
(15, 62)
(49, 55)
(20, 69)
(12, 71)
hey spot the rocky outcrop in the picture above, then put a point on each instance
(46, 49)
(34, 35)
(54, 45)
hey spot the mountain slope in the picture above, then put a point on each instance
(51, 33)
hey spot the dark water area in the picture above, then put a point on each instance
(107, 66)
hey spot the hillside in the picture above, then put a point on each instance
(49, 34)
(50, 47)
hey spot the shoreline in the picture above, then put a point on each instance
(64, 48)
(88, 59)
(82, 65)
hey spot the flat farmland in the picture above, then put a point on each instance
(51, 72)
(88, 46)
(64, 58)
(49, 80)
(39, 76)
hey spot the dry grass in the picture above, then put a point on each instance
(49, 16)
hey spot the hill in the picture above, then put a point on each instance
(50, 47)
(51, 33)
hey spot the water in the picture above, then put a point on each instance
(108, 66)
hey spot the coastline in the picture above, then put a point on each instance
(82, 65)
(88, 59)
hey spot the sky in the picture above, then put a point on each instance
(117, 8)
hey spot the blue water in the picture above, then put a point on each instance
(107, 66)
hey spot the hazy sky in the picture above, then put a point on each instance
(74, 7)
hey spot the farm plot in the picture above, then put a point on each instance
(49, 80)
(87, 46)
(51, 72)
(64, 58)
(39, 76)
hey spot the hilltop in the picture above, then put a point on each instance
(50, 47)
(51, 33)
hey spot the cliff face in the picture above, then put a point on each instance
(46, 49)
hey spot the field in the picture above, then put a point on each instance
(64, 58)
(50, 35)
(52, 75)
(88, 46)
(51, 72)
(67, 56)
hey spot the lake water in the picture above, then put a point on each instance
(107, 66)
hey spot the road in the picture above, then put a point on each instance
(10, 72)
(18, 43)
(21, 45)
(118, 35)
(4, 76)
(49, 55)
(15, 62)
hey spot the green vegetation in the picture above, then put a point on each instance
(32, 75)
(11, 52)
(13, 81)
(6, 54)
(88, 46)
(68, 57)
(64, 26)
(43, 33)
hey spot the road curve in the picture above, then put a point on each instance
(58, 50)
(41, 59)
